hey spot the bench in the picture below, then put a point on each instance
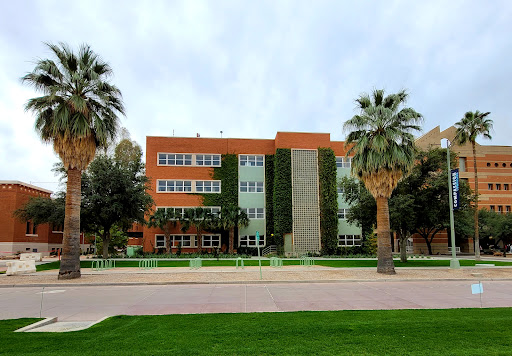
(20, 267)
(36, 256)
(497, 253)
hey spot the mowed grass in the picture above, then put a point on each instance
(254, 262)
(388, 332)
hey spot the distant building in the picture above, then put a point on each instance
(17, 236)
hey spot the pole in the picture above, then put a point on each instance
(454, 262)
(259, 257)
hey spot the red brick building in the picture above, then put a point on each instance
(17, 236)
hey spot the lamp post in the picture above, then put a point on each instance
(454, 262)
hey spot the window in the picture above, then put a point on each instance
(500, 209)
(498, 186)
(507, 209)
(184, 240)
(174, 186)
(208, 160)
(174, 159)
(250, 241)
(505, 186)
(340, 190)
(488, 164)
(31, 229)
(211, 241)
(251, 187)
(496, 165)
(255, 213)
(159, 241)
(343, 162)
(251, 160)
(208, 186)
(491, 207)
(462, 164)
(349, 240)
(489, 186)
(503, 164)
(342, 213)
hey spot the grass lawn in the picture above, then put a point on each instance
(254, 262)
(390, 332)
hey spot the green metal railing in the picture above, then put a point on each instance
(240, 263)
(196, 263)
(276, 262)
(148, 263)
(307, 261)
(101, 265)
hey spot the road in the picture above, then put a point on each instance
(82, 303)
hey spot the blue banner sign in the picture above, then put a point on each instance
(455, 188)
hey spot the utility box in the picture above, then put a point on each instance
(131, 250)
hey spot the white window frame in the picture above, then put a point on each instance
(258, 187)
(343, 162)
(250, 241)
(190, 183)
(156, 241)
(212, 239)
(349, 239)
(251, 160)
(342, 213)
(207, 160)
(175, 240)
(207, 186)
(174, 157)
(255, 213)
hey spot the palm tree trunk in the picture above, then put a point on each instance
(168, 243)
(70, 261)
(385, 258)
(231, 240)
(477, 234)
(199, 241)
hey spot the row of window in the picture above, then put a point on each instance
(491, 186)
(190, 241)
(252, 213)
(500, 208)
(188, 159)
(343, 162)
(189, 186)
(497, 164)
(203, 186)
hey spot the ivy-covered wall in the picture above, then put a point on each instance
(269, 197)
(282, 194)
(328, 200)
(227, 173)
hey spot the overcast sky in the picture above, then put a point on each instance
(252, 68)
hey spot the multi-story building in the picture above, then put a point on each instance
(494, 167)
(193, 172)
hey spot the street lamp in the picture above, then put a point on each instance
(454, 262)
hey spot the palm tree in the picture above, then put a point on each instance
(230, 217)
(469, 128)
(199, 218)
(384, 152)
(165, 220)
(77, 113)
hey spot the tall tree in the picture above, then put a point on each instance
(77, 113)
(165, 220)
(382, 142)
(472, 125)
(232, 217)
(199, 218)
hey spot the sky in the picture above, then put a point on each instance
(252, 68)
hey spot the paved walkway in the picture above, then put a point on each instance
(92, 303)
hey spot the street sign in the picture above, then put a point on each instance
(257, 236)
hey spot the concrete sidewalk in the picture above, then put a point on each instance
(92, 303)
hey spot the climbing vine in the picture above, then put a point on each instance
(282, 194)
(328, 200)
(227, 173)
(269, 197)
